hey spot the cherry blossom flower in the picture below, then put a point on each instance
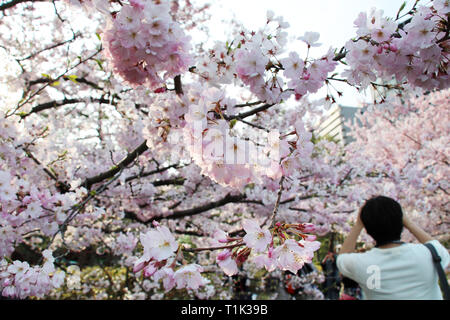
(227, 263)
(266, 260)
(277, 148)
(256, 238)
(34, 210)
(167, 276)
(442, 6)
(159, 244)
(189, 277)
(311, 38)
(129, 18)
(250, 64)
(293, 65)
(18, 268)
(290, 256)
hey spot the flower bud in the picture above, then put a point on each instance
(380, 50)
(150, 270)
(270, 252)
(309, 227)
(139, 266)
(155, 224)
(224, 255)
(393, 47)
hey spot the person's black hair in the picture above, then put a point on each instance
(383, 219)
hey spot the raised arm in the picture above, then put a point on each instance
(350, 242)
(417, 231)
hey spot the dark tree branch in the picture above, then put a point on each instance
(13, 3)
(189, 233)
(277, 203)
(146, 174)
(67, 78)
(250, 113)
(193, 211)
(89, 182)
(248, 104)
(241, 198)
(197, 210)
(37, 92)
(178, 85)
(231, 246)
(169, 182)
(56, 104)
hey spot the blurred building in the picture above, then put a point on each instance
(335, 125)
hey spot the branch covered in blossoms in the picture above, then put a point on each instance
(278, 248)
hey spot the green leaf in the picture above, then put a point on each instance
(98, 36)
(401, 9)
(53, 171)
(73, 78)
(232, 123)
(99, 62)
(250, 186)
(46, 75)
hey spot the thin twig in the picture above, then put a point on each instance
(277, 204)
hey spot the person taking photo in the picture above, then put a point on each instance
(392, 270)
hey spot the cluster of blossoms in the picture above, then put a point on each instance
(28, 207)
(145, 45)
(25, 208)
(218, 65)
(159, 260)
(418, 53)
(274, 249)
(256, 59)
(248, 58)
(233, 161)
(20, 280)
(308, 76)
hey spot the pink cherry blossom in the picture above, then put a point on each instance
(311, 38)
(189, 277)
(256, 238)
(227, 263)
(291, 256)
(167, 276)
(159, 244)
(293, 65)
